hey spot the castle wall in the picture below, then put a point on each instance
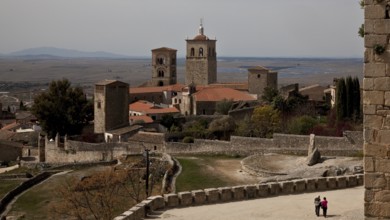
(376, 109)
(10, 151)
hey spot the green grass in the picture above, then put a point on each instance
(8, 185)
(196, 175)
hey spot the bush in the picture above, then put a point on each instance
(188, 139)
(302, 125)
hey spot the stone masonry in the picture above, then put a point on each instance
(376, 108)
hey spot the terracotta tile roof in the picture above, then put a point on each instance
(149, 108)
(219, 94)
(164, 48)
(140, 106)
(144, 118)
(11, 126)
(155, 89)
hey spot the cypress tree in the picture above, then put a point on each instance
(349, 84)
(341, 99)
(356, 98)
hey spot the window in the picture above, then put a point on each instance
(204, 111)
(173, 73)
(99, 104)
(155, 147)
(160, 60)
(201, 52)
(192, 52)
(258, 75)
(160, 83)
(161, 73)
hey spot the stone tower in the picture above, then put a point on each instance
(201, 60)
(376, 109)
(260, 78)
(163, 66)
(111, 107)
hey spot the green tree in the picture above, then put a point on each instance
(356, 99)
(62, 109)
(341, 99)
(223, 107)
(349, 86)
(222, 127)
(269, 94)
(302, 125)
(266, 121)
(22, 107)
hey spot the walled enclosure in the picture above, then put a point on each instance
(376, 109)
(75, 151)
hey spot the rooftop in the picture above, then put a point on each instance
(221, 93)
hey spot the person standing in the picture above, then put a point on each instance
(317, 205)
(324, 206)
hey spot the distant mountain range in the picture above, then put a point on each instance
(60, 52)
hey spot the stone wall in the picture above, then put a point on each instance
(237, 193)
(10, 151)
(349, 145)
(376, 109)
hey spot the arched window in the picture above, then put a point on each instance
(160, 83)
(201, 52)
(161, 73)
(192, 52)
(258, 75)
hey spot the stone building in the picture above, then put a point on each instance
(259, 78)
(111, 107)
(201, 60)
(376, 109)
(163, 66)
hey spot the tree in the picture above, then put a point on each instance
(266, 121)
(22, 107)
(62, 109)
(269, 94)
(222, 127)
(349, 99)
(223, 107)
(302, 125)
(341, 99)
(356, 99)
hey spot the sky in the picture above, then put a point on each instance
(247, 28)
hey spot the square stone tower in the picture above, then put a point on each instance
(376, 109)
(201, 60)
(163, 66)
(111, 105)
(260, 78)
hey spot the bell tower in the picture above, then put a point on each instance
(163, 67)
(201, 59)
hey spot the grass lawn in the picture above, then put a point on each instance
(8, 185)
(198, 173)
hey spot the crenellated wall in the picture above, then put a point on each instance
(237, 193)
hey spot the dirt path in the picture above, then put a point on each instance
(231, 169)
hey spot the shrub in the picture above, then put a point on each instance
(188, 139)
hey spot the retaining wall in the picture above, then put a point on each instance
(237, 193)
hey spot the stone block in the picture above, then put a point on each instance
(382, 196)
(352, 181)
(382, 165)
(374, 181)
(382, 83)
(341, 182)
(360, 179)
(287, 187)
(374, 11)
(238, 192)
(386, 122)
(199, 197)
(369, 26)
(375, 150)
(332, 182)
(368, 84)
(274, 188)
(263, 190)
(368, 55)
(373, 121)
(383, 137)
(250, 191)
(212, 195)
(373, 97)
(387, 98)
(138, 212)
(369, 109)
(157, 202)
(377, 209)
(171, 200)
(310, 184)
(373, 39)
(368, 164)
(374, 69)
(321, 184)
(369, 195)
(185, 198)
(225, 194)
(300, 185)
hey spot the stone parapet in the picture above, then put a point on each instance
(230, 194)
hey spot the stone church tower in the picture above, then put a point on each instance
(201, 60)
(163, 66)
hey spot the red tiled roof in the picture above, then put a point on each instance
(149, 108)
(144, 118)
(176, 87)
(11, 126)
(219, 94)
(140, 106)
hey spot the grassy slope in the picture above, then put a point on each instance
(8, 185)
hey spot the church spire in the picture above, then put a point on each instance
(201, 29)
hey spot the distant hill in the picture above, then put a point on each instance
(59, 52)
